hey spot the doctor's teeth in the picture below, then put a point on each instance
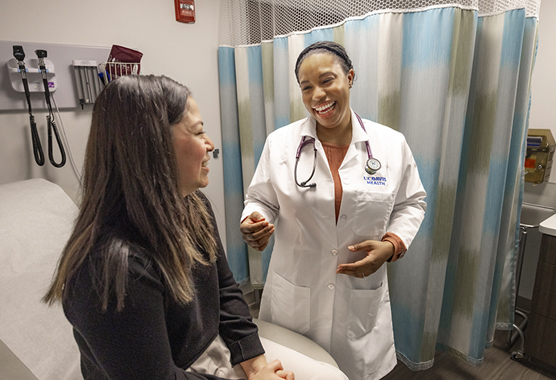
(325, 107)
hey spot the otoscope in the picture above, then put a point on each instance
(19, 55)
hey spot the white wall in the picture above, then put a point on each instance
(185, 52)
(542, 116)
(543, 98)
(543, 95)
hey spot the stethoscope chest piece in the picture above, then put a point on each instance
(373, 166)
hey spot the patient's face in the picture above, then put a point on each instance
(192, 147)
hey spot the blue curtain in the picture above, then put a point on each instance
(456, 84)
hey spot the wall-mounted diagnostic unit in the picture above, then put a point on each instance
(67, 70)
(31, 70)
(39, 77)
(44, 82)
(540, 154)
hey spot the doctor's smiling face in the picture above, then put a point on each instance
(325, 90)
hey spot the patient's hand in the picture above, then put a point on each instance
(258, 369)
(273, 370)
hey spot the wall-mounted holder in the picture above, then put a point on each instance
(87, 81)
(33, 75)
(540, 154)
(112, 70)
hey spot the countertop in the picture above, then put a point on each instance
(548, 226)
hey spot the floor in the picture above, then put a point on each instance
(497, 364)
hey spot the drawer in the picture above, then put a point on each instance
(548, 249)
(541, 339)
(544, 303)
(546, 276)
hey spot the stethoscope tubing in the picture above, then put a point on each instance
(369, 152)
(306, 140)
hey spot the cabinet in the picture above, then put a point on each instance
(541, 337)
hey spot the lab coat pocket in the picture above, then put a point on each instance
(363, 309)
(372, 213)
(290, 305)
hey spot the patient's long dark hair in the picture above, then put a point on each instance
(131, 194)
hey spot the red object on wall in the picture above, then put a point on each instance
(530, 163)
(185, 11)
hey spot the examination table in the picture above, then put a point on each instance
(36, 341)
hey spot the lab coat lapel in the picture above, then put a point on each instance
(309, 128)
(358, 136)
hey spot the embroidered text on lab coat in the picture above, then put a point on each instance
(374, 180)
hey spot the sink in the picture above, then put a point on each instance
(532, 215)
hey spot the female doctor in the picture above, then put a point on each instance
(345, 197)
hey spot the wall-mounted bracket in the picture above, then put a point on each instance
(34, 76)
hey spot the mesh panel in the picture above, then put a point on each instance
(244, 22)
(487, 7)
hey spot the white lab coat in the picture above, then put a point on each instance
(350, 317)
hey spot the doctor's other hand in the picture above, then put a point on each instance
(256, 231)
(378, 252)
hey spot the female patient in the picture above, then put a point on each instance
(143, 278)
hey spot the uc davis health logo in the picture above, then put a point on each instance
(375, 180)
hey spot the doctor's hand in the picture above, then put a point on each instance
(378, 252)
(256, 231)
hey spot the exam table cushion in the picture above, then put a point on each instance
(36, 218)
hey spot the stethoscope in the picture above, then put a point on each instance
(37, 147)
(372, 165)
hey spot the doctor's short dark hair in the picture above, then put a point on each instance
(330, 47)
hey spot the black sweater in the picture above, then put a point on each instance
(154, 337)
